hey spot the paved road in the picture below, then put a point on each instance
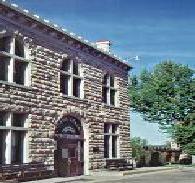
(185, 175)
(178, 176)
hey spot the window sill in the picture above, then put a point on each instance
(13, 128)
(110, 106)
(113, 158)
(111, 134)
(72, 97)
(15, 85)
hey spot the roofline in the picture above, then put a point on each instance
(61, 30)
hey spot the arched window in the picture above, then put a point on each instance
(109, 89)
(70, 79)
(69, 125)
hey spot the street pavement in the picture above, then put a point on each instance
(186, 175)
(179, 175)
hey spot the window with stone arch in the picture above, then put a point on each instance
(109, 90)
(14, 63)
(71, 81)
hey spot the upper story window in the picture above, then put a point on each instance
(109, 90)
(70, 78)
(14, 66)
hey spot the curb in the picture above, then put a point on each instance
(58, 180)
(133, 172)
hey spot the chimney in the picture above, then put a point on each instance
(104, 45)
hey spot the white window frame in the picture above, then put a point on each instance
(8, 128)
(72, 76)
(10, 54)
(110, 134)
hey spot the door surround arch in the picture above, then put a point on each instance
(80, 115)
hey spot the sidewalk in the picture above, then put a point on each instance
(61, 180)
(147, 170)
(99, 176)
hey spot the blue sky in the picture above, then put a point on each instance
(155, 30)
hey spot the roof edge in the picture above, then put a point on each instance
(60, 29)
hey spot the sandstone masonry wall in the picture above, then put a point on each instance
(45, 104)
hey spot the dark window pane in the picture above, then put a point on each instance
(76, 87)
(2, 147)
(2, 119)
(64, 80)
(65, 65)
(72, 152)
(75, 68)
(112, 97)
(106, 128)
(114, 129)
(4, 62)
(18, 119)
(20, 71)
(106, 146)
(5, 44)
(19, 48)
(112, 81)
(114, 146)
(104, 94)
(105, 79)
(17, 147)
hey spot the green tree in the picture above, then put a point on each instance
(184, 134)
(166, 95)
(137, 145)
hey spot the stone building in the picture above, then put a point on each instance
(158, 156)
(63, 100)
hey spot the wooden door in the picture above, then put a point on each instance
(67, 160)
(68, 157)
(73, 159)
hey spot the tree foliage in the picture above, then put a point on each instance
(166, 95)
(184, 134)
(137, 145)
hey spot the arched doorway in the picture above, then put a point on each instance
(68, 155)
